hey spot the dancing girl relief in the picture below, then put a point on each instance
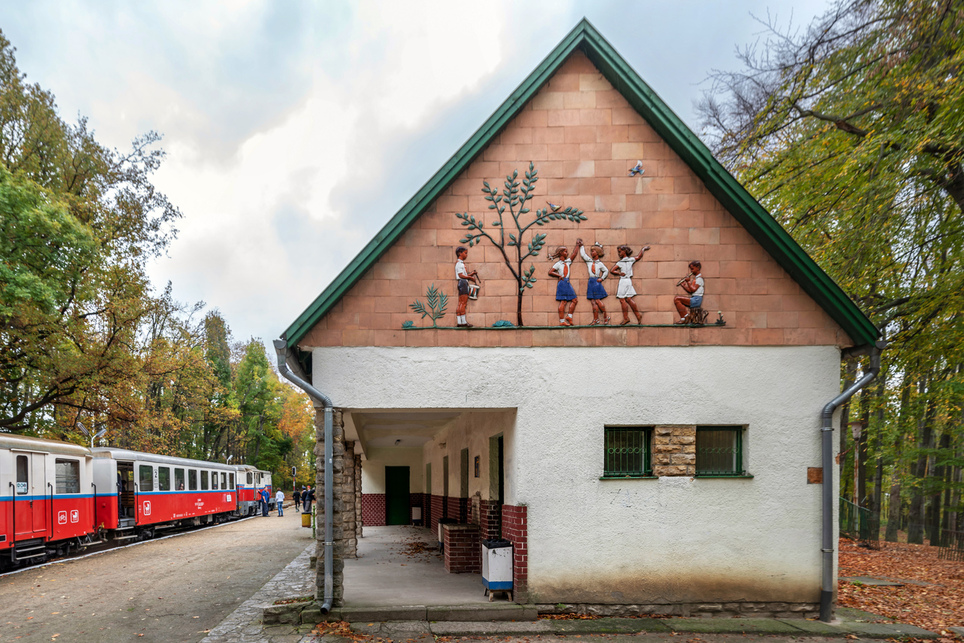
(512, 233)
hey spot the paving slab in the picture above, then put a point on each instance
(851, 614)
(504, 628)
(818, 628)
(869, 580)
(609, 625)
(887, 630)
(730, 625)
(504, 612)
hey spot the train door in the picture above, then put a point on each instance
(31, 495)
(125, 490)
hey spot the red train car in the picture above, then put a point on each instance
(141, 493)
(46, 494)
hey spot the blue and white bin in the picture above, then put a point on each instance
(497, 566)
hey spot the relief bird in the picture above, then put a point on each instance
(553, 206)
(637, 169)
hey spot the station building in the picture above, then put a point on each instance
(640, 467)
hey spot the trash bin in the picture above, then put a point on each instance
(306, 520)
(497, 566)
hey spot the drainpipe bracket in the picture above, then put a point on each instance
(827, 551)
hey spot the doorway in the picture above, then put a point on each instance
(397, 511)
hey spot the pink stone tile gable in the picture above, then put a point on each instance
(583, 138)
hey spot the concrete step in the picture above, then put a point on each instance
(446, 613)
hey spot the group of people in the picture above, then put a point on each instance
(304, 498)
(595, 292)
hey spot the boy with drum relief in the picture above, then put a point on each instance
(463, 277)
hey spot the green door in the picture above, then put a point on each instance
(396, 496)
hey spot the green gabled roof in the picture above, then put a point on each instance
(744, 208)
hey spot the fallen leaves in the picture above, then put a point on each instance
(932, 599)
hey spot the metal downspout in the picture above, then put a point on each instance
(281, 348)
(827, 461)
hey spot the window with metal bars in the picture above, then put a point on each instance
(719, 451)
(627, 452)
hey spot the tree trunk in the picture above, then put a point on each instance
(915, 530)
(894, 509)
(875, 500)
(842, 468)
(940, 473)
(860, 451)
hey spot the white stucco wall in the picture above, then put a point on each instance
(373, 468)
(632, 541)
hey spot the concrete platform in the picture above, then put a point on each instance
(400, 566)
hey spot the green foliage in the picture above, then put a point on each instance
(77, 222)
(851, 133)
(510, 206)
(434, 307)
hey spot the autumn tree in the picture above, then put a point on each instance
(79, 220)
(850, 132)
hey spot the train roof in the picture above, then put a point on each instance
(126, 454)
(27, 443)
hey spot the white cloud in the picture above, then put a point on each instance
(294, 131)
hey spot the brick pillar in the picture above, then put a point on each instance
(674, 450)
(515, 528)
(338, 505)
(348, 493)
(358, 500)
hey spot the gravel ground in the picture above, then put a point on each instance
(174, 589)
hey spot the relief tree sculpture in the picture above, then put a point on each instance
(510, 206)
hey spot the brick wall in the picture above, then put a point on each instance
(515, 529)
(373, 509)
(438, 502)
(463, 551)
(490, 519)
(455, 506)
(583, 137)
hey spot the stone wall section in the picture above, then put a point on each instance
(359, 519)
(583, 137)
(339, 518)
(347, 492)
(674, 451)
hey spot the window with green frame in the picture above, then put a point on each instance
(719, 451)
(627, 452)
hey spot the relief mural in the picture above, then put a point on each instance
(508, 234)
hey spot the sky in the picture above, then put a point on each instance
(295, 130)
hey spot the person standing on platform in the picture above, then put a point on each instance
(264, 503)
(279, 499)
(297, 497)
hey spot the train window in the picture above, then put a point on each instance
(214, 479)
(145, 475)
(68, 476)
(192, 479)
(179, 479)
(164, 478)
(224, 480)
(23, 480)
(250, 478)
(231, 480)
(204, 481)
